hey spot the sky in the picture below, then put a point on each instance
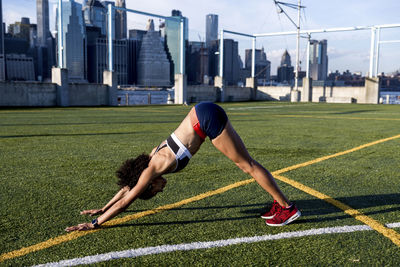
(346, 50)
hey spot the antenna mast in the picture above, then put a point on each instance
(298, 7)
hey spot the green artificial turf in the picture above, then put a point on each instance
(55, 162)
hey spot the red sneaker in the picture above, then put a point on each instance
(284, 216)
(271, 213)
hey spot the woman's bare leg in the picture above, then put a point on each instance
(232, 146)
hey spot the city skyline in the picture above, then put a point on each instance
(348, 50)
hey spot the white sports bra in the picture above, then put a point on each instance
(182, 154)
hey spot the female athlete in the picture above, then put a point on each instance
(142, 177)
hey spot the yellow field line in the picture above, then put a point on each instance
(304, 164)
(335, 117)
(377, 226)
(74, 235)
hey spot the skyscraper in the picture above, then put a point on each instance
(231, 61)
(262, 65)
(74, 40)
(211, 43)
(1, 29)
(105, 3)
(318, 60)
(153, 65)
(173, 40)
(20, 29)
(95, 14)
(285, 70)
(286, 60)
(98, 60)
(2, 59)
(44, 41)
(20, 67)
(120, 20)
(197, 63)
(211, 28)
(43, 30)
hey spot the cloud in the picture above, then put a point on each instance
(335, 53)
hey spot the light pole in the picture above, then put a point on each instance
(60, 36)
(296, 82)
(298, 7)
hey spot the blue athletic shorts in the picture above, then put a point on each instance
(212, 118)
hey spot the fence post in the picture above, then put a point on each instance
(59, 76)
(110, 79)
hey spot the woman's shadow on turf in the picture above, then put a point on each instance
(313, 210)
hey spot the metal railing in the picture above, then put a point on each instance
(374, 51)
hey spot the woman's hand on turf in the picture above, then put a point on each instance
(92, 212)
(80, 227)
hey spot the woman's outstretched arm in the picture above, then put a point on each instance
(120, 194)
(121, 204)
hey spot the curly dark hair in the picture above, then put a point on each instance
(130, 171)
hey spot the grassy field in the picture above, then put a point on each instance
(55, 162)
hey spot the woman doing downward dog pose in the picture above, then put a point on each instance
(142, 177)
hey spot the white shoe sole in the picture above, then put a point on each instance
(291, 219)
(268, 217)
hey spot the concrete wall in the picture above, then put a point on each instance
(362, 95)
(338, 94)
(198, 93)
(27, 94)
(368, 94)
(237, 94)
(372, 90)
(276, 93)
(180, 89)
(87, 94)
(84, 94)
(36, 94)
(144, 97)
(60, 92)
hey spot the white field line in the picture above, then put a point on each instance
(133, 253)
(267, 107)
